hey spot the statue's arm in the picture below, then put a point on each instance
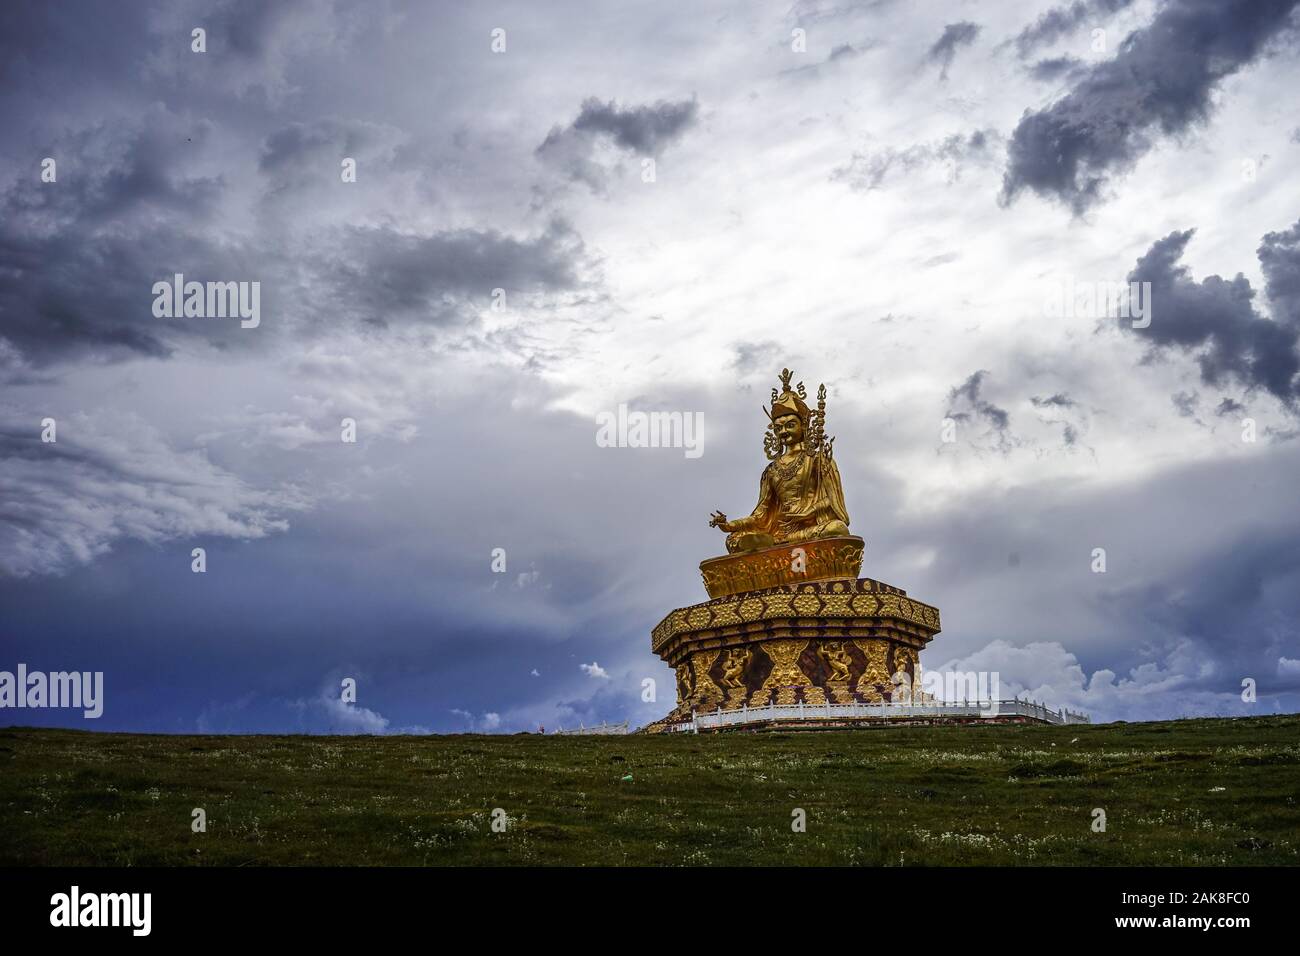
(766, 501)
(830, 491)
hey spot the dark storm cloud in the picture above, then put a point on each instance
(966, 404)
(252, 47)
(302, 154)
(79, 256)
(1056, 68)
(247, 28)
(1185, 403)
(48, 49)
(642, 130)
(64, 298)
(71, 51)
(1229, 406)
(1240, 593)
(1279, 258)
(969, 393)
(387, 276)
(1059, 21)
(1058, 400)
(1159, 84)
(118, 175)
(1057, 409)
(1216, 318)
(954, 36)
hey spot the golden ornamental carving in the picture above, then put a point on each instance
(702, 663)
(837, 660)
(862, 602)
(786, 671)
(827, 559)
(877, 669)
(685, 682)
(807, 604)
(904, 659)
(725, 614)
(733, 667)
(839, 605)
(778, 604)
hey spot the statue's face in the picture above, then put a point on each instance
(789, 430)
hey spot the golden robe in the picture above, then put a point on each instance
(796, 502)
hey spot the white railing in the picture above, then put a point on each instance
(604, 728)
(828, 711)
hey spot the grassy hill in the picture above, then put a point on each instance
(1190, 792)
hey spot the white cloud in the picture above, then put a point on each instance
(110, 477)
(329, 713)
(1046, 672)
(487, 723)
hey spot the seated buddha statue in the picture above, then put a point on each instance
(799, 495)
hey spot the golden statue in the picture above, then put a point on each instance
(789, 594)
(800, 497)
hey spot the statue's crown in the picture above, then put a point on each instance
(789, 401)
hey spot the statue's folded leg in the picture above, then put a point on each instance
(827, 529)
(748, 541)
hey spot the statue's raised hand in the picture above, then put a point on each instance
(719, 520)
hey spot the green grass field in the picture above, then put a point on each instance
(1191, 792)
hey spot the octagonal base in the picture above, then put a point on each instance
(819, 641)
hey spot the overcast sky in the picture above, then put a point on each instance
(888, 202)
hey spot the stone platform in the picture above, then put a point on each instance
(837, 639)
